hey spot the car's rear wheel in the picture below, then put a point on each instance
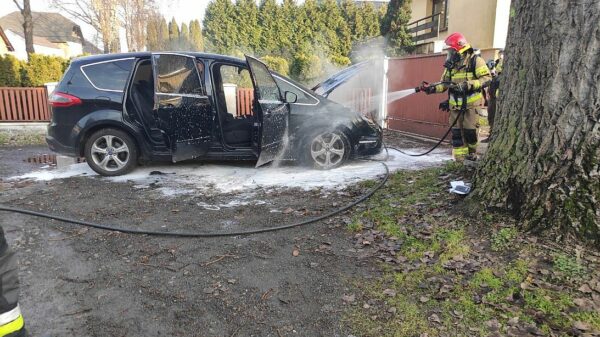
(328, 149)
(111, 152)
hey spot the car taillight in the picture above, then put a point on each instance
(62, 100)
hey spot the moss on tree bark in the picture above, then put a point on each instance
(543, 163)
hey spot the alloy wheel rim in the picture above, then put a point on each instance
(327, 150)
(110, 153)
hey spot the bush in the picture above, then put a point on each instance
(41, 69)
(278, 64)
(340, 60)
(307, 67)
(10, 71)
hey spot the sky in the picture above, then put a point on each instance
(182, 10)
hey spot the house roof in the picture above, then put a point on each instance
(49, 27)
(9, 46)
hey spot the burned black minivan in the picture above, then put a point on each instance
(118, 109)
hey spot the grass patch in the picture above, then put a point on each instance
(503, 239)
(414, 208)
(21, 138)
(355, 226)
(568, 266)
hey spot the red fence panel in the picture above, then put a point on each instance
(24, 105)
(419, 113)
(244, 101)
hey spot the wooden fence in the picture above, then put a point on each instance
(245, 96)
(24, 105)
(31, 104)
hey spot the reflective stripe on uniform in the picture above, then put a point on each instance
(473, 146)
(463, 75)
(11, 327)
(454, 101)
(476, 84)
(10, 316)
(482, 71)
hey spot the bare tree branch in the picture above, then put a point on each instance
(18, 6)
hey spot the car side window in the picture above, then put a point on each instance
(235, 90)
(178, 75)
(303, 96)
(110, 76)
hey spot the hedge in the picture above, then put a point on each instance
(39, 70)
(10, 71)
(278, 64)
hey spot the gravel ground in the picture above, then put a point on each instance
(86, 282)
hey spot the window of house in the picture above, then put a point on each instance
(441, 7)
(110, 76)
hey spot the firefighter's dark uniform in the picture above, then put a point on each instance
(11, 320)
(473, 70)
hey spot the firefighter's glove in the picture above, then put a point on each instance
(426, 88)
(430, 90)
(445, 106)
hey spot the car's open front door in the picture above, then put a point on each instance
(182, 109)
(273, 114)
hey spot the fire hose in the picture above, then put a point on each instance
(463, 109)
(128, 230)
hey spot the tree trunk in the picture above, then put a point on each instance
(28, 27)
(543, 163)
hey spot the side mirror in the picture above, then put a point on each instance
(290, 97)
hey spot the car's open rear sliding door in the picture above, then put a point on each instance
(182, 108)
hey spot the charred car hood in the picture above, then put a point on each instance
(326, 87)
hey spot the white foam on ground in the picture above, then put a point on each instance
(197, 178)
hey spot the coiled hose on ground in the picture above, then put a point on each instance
(127, 230)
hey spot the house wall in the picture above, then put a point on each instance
(3, 47)
(65, 50)
(483, 22)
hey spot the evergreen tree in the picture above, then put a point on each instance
(163, 35)
(393, 27)
(220, 27)
(335, 31)
(371, 21)
(173, 34)
(196, 39)
(248, 27)
(287, 27)
(311, 25)
(152, 28)
(184, 37)
(353, 18)
(268, 16)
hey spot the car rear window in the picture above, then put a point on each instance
(110, 75)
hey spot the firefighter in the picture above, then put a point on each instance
(11, 320)
(464, 77)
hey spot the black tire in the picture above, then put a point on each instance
(114, 159)
(337, 140)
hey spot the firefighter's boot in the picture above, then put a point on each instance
(472, 152)
(460, 153)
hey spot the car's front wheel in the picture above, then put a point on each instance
(328, 150)
(111, 152)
